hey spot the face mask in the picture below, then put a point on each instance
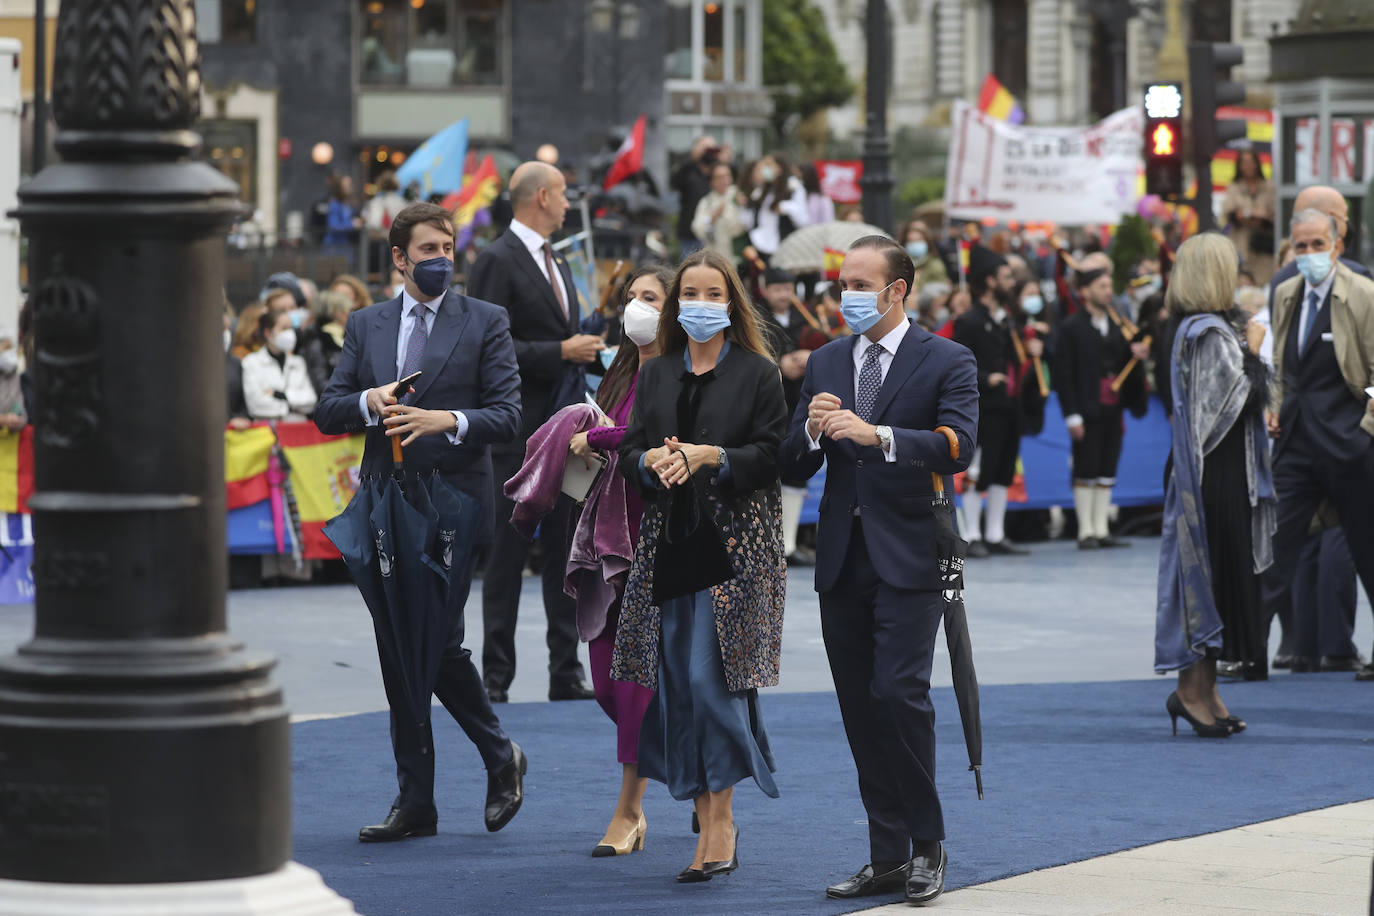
(640, 322)
(298, 317)
(702, 320)
(768, 174)
(1032, 305)
(432, 275)
(860, 309)
(917, 250)
(284, 341)
(228, 339)
(1314, 266)
(9, 361)
(941, 317)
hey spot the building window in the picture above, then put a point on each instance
(741, 43)
(1010, 26)
(227, 21)
(431, 42)
(679, 28)
(713, 50)
(232, 147)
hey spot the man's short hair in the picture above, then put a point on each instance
(403, 226)
(1313, 215)
(899, 263)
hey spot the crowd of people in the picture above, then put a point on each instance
(723, 383)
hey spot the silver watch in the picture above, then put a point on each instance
(720, 457)
(884, 434)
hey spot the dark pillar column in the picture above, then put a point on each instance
(139, 742)
(877, 178)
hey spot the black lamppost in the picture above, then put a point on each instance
(139, 742)
(877, 178)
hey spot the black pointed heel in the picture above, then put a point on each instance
(692, 876)
(1177, 710)
(711, 869)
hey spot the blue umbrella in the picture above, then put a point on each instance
(437, 165)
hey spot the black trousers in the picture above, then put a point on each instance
(459, 688)
(1324, 586)
(501, 589)
(999, 437)
(881, 642)
(1303, 476)
(1097, 454)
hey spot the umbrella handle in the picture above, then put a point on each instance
(397, 461)
(937, 479)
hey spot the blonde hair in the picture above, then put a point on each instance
(1204, 275)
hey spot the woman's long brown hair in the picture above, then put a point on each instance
(622, 369)
(744, 326)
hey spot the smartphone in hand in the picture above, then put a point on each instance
(402, 388)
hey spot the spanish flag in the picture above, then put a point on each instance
(245, 464)
(16, 469)
(833, 259)
(995, 101)
(324, 477)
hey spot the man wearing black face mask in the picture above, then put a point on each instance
(466, 399)
(989, 330)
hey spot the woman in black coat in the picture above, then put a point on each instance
(701, 620)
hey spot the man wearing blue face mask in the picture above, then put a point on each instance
(870, 404)
(466, 399)
(1321, 413)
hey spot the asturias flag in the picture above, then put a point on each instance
(438, 163)
(996, 101)
(628, 159)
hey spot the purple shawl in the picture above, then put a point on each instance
(537, 485)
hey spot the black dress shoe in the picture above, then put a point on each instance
(1341, 662)
(1302, 665)
(1366, 673)
(498, 695)
(801, 558)
(506, 790)
(1283, 660)
(1244, 671)
(711, 869)
(692, 876)
(1089, 543)
(882, 878)
(572, 690)
(398, 825)
(978, 550)
(1007, 549)
(926, 880)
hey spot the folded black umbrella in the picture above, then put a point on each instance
(949, 554)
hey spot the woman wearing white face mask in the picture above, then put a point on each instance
(777, 206)
(276, 383)
(624, 702)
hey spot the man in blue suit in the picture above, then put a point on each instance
(869, 406)
(466, 399)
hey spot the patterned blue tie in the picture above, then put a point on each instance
(870, 380)
(1314, 305)
(415, 346)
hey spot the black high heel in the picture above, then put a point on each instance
(711, 869)
(691, 875)
(1235, 723)
(1176, 710)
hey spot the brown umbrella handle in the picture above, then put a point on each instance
(936, 479)
(396, 460)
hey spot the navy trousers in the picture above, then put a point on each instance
(881, 641)
(459, 687)
(1324, 597)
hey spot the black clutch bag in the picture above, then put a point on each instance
(690, 555)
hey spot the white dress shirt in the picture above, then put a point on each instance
(1322, 289)
(408, 324)
(534, 242)
(890, 342)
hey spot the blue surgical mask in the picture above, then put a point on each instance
(702, 320)
(860, 308)
(1314, 266)
(432, 276)
(917, 250)
(1032, 305)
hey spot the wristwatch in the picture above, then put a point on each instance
(884, 434)
(720, 457)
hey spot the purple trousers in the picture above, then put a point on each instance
(623, 702)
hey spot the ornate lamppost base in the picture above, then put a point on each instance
(292, 889)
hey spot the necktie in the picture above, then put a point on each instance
(553, 278)
(870, 380)
(1314, 305)
(415, 346)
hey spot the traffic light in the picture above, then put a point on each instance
(1209, 70)
(1164, 140)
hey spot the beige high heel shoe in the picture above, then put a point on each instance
(633, 841)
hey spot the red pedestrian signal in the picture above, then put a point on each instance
(1164, 141)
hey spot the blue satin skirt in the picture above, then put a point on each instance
(697, 736)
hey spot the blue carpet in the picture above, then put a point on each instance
(1071, 771)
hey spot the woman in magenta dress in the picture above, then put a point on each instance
(624, 702)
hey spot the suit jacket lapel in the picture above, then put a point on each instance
(525, 259)
(386, 329)
(443, 337)
(911, 352)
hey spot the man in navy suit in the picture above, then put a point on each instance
(869, 407)
(466, 399)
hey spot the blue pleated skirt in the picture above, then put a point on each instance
(697, 736)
